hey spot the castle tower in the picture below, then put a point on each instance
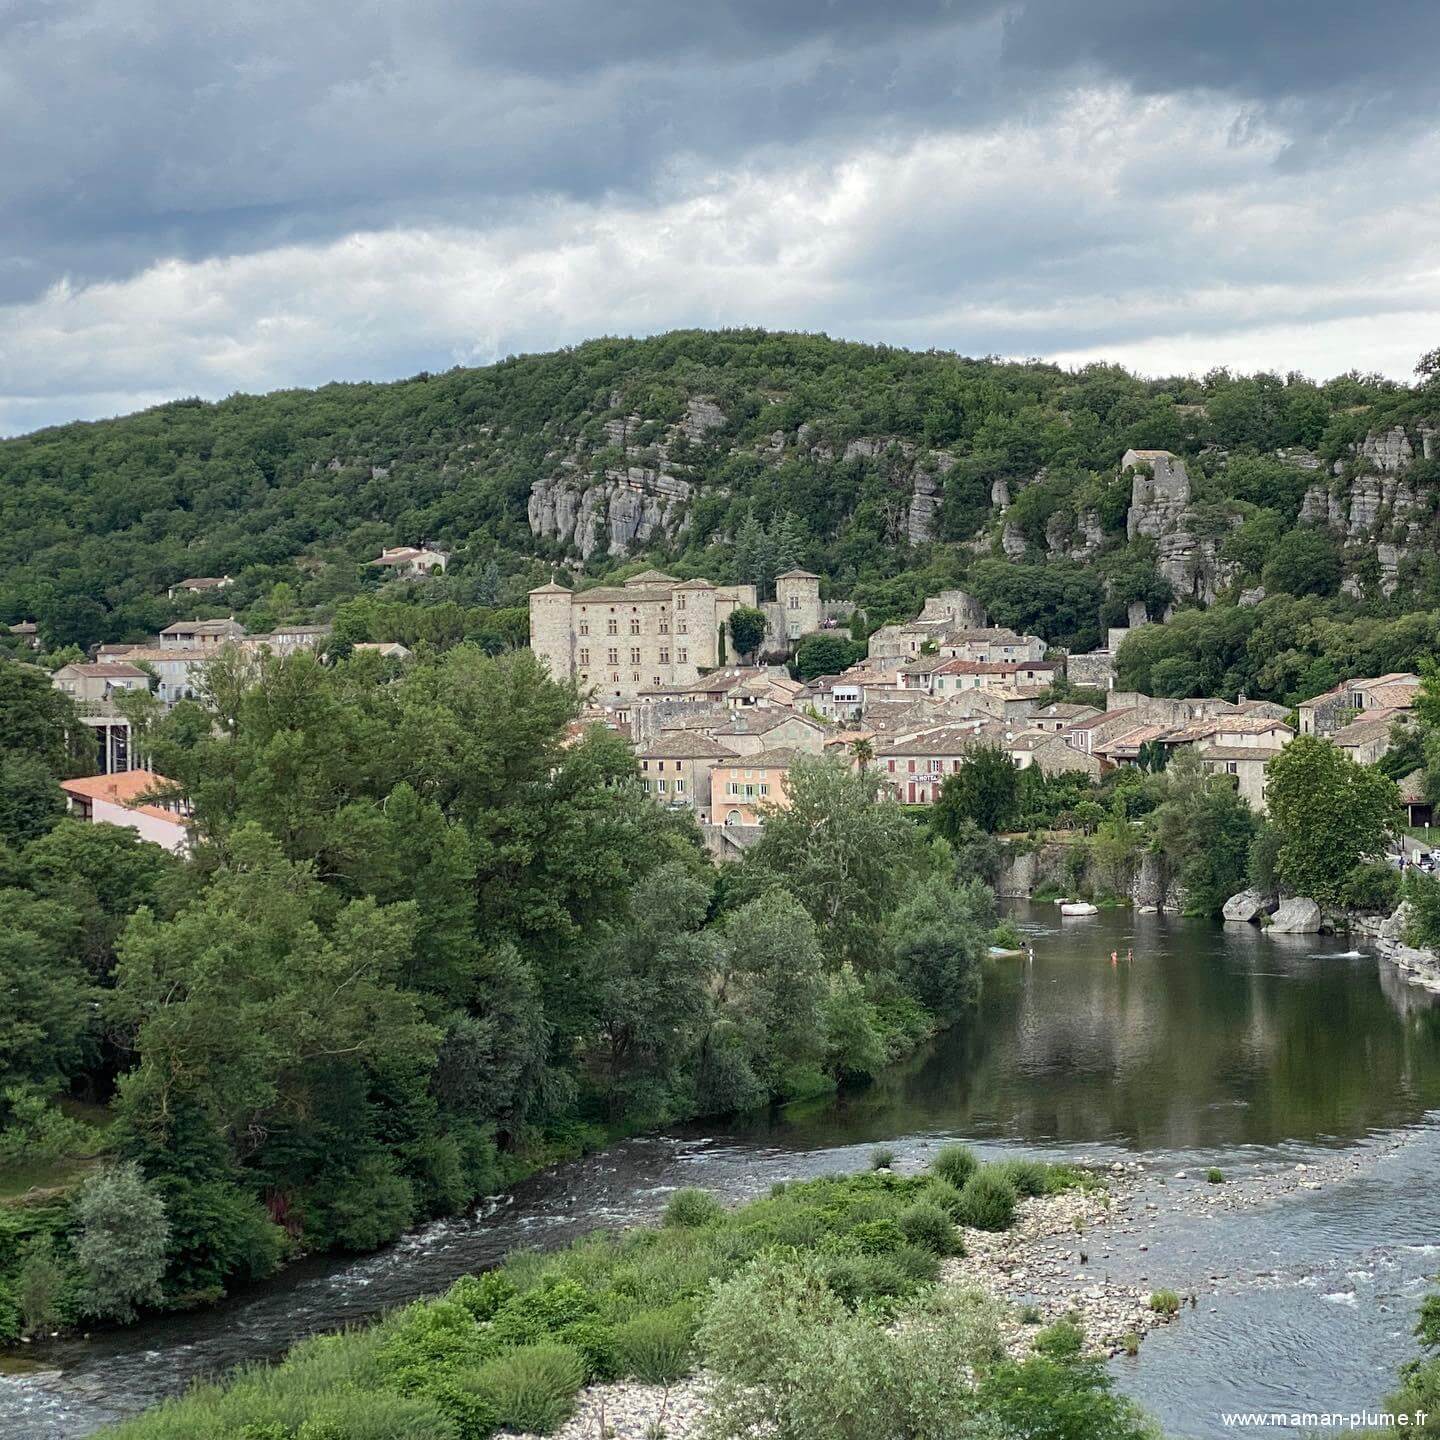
(797, 592)
(698, 609)
(551, 633)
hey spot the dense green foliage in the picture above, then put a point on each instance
(292, 493)
(424, 944)
(779, 1283)
(1331, 815)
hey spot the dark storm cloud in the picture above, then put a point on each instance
(135, 129)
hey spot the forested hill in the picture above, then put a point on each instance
(888, 471)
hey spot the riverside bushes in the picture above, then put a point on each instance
(510, 1348)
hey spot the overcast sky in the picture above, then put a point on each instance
(233, 195)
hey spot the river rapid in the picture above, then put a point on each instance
(1308, 1072)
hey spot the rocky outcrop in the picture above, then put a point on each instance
(1079, 540)
(1247, 906)
(1153, 887)
(1299, 916)
(1387, 933)
(1159, 496)
(623, 510)
(927, 485)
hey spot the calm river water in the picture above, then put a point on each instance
(1211, 1047)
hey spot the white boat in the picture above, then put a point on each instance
(1078, 907)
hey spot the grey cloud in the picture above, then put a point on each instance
(137, 129)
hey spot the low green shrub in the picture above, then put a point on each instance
(1029, 1177)
(955, 1163)
(532, 1388)
(483, 1295)
(987, 1201)
(1215, 1175)
(427, 1340)
(1165, 1302)
(878, 1237)
(693, 1209)
(655, 1347)
(1007, 936)
(882, 1158)
(1063, 1340)
(925, 1224)
(941, 1193)
(355, 1416)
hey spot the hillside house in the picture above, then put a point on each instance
(126, 799)
(200, 634)
(741, 786)
(200, 585)
(1367, 738)
(411, 561)
(27, 632)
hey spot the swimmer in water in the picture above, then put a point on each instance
(1129, 956)
(1114, 957)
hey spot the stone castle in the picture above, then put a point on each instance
(655, 630)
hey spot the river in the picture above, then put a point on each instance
(1210, 1047)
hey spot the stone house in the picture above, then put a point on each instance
(1367, 739)
(1049, 753)
(287, 639)
(915, 766)
(1056, 717)
(411, 561)
(201, 585)
(27, 632)
(834, 697)
(675, 769)
(176, 672)
(1247, 765)
(939, 677)
(119, 799)
(748, 732)
(1325, 714)
(992, 644)
(93, 688)
(740, 786)
(1093, 731)
(94, 685)
(200, 634)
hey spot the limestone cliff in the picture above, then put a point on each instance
(635, 481)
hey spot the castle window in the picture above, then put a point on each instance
(794, 602)
(584, 627)
(634, 654)
(683, 628)
(683, 656)
(664, 657)
(664, 624)
(635, 679)
(679, 602)
(612, 657)
(634, 627)
(584, 657)
(610, 628)
(679, 786)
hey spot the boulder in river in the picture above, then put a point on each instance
(1247, 905)
(1300, 916)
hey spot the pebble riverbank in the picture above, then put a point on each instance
(1052, 1264)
